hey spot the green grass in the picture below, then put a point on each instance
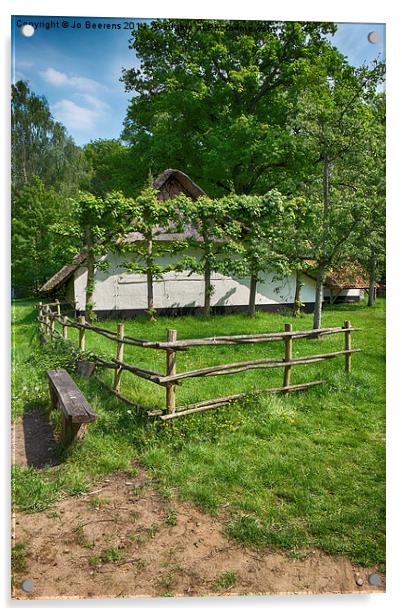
(171, 517)
(306, 470)
(224, 581)
(19, 556)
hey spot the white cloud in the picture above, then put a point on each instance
(82, 117)
(73, 116)
(95, 102)
(57, 78)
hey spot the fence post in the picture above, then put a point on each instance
(51, 324)
(58, 307)
(82, 333)
(119, 356)
(171, 369)
(348, 346)
(288, 355)
(65, 328)
(40, 317)
(47, 319)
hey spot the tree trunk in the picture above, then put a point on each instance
(253, 290)
(150, 282)
(208, 252)
(207, 290)
(319, 295)
(319, 291)
(297, 304)
(372, 287)
(90, 288)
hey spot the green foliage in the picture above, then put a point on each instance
(338, 129)
(153, 217)
(263, 227)
(46, 169)
(40, 146)
(36, 250)
(112, 167)
(213, 99)
(100, 223)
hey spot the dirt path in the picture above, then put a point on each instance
(124, 540)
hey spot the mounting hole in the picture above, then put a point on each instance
(27, 585)
(27, 30)
(374, 579)
(373, 37)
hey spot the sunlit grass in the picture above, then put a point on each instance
(303, 470)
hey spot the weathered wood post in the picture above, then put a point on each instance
(40, 315)
(288, 355)
(51, 323)
(47, 319)
(171, 369)
(119, 356)
(82, 333)
(65, 328)
(58, 307)
(348, 346)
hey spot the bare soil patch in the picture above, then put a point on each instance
(125, 540)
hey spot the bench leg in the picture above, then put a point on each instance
(70, 431)
(53, 397)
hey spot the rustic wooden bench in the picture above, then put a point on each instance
(66, 396)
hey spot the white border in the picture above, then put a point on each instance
(387, 11)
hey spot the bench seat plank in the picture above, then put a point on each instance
(71, 401)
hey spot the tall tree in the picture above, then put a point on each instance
(35, 250)
(333, 127)
(213, 98)
(40, 146)
(369, 247)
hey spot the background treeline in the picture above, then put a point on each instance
(275, 112)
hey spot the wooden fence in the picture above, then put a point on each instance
(47, 319)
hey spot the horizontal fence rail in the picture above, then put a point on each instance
(47, 318)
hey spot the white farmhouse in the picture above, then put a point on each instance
(123, 294)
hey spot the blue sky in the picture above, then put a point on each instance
(78, 68)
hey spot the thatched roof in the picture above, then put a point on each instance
(170, 183)
(63, 274)
(350, 276)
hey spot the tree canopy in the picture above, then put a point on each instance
(215, 101)
(40, 146)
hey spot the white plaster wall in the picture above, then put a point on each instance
(117, 289)
(352, 293)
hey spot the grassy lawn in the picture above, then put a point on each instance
(306, 470)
